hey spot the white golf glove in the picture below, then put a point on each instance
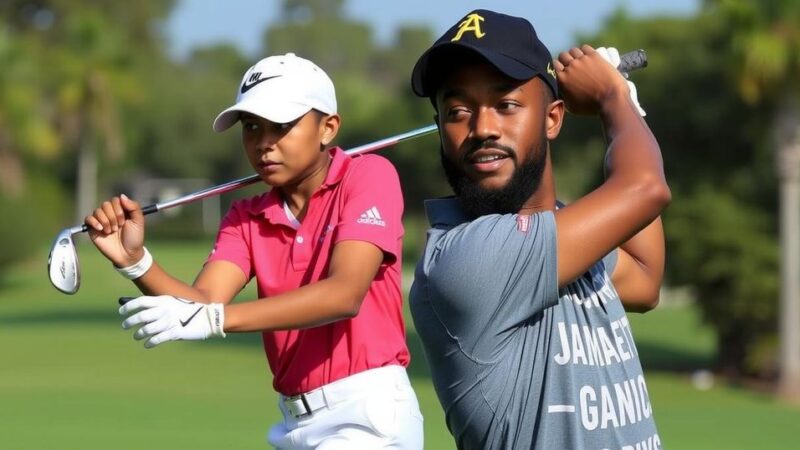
(167, 318)
(611, 55)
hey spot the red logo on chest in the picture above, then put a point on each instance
(523, 223)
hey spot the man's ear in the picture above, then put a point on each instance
(554, 118)
(329, 127)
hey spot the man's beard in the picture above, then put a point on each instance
(478, 201)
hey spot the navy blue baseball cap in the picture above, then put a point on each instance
(509, 43)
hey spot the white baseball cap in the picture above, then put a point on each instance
(280, 89)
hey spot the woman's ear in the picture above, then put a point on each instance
(329, 127)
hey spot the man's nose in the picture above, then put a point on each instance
(485, 124)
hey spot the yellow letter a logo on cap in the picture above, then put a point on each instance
(471, 23)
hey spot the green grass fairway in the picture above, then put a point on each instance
(71, 378)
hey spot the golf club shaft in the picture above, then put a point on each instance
(246, 181)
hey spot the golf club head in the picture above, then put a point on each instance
(62, 263)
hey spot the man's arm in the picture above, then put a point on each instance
(640, 269)
(635, 190)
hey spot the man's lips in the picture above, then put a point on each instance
(487, 159)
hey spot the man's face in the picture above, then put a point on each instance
(494, 143)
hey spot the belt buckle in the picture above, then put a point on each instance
(298, 406)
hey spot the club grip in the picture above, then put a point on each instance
(631, 61)
(123, 300)
(150, 209)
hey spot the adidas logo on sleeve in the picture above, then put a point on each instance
(371, 217)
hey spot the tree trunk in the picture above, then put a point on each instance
(12, 173)
(787, 134)
(731, 352)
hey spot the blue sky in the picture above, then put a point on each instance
(242, 22)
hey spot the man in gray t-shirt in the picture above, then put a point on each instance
(519, 303)
(517, 362)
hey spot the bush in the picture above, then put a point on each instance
(30, 221)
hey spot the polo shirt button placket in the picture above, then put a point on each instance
(299, 239)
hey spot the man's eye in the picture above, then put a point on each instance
(457, 112)
(507, 105)
(250, 126)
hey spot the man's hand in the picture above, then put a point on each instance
(167, 318)
(611, 55)
(587, 81)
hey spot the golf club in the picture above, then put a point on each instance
(62, 263)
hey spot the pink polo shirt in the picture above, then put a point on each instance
(359, 200)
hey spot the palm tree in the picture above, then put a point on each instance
(92, 77)
(766, 50)
(25, 129)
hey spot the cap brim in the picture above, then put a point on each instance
(279, 113)
(421, 77)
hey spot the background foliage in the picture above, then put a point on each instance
(88, 98)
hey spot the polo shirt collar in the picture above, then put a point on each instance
(445, 212)
(270, 204)
(340, 162)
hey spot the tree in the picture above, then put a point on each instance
(766, 59)
(173, 135)
(91, 60)
(26, 131)
(86, 61)
(721, 225)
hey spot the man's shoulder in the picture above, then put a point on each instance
(446, 214)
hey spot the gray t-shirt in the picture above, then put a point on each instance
(516, 362)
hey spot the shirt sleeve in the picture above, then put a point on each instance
(492, 274)
(233, 243)
(372, 208)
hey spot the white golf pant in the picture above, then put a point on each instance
(374, 409)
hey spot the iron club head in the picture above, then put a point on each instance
(62, 263)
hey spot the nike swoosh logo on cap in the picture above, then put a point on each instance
(186, 322)
(246, 87)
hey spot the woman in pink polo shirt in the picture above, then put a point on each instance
(324, 246)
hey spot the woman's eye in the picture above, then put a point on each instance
(250, 126)
(282, 127)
